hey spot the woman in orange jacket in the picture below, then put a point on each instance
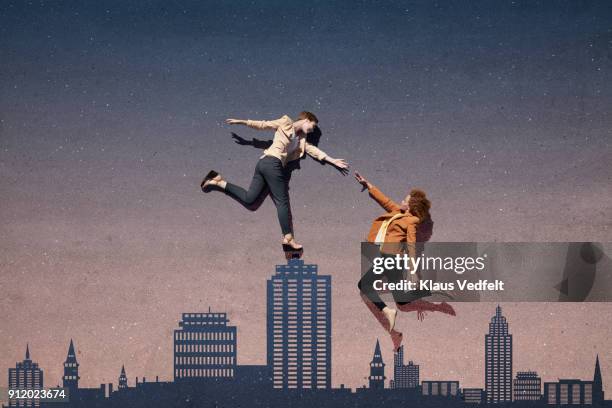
(403, 226)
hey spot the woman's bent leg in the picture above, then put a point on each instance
(366, 286)
(256, 189)
(396, 275)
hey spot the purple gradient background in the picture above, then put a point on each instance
(111, 113)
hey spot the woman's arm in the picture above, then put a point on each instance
(384, 201)
(320, 155)
(259, 124)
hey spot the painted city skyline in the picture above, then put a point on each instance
(298, 306)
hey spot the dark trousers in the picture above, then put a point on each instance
(392, 275)
(269, 177)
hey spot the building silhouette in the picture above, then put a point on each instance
(26, 375)
(123, 381)
(574, 391)
(569, 391)
(440, 388)
(404, 376)
(299, 326)
(498, 360)
(598, 393)
(527, 386)
(472, 395)
(70, 379)
(377, 370)
(204, 347)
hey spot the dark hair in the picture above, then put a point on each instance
(308, 115)
(419, 204)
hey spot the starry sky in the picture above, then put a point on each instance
(111, 113)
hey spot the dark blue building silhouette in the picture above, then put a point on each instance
(299, 326)
(204, 347)
(404, 376)
(598, 393)
(442, 388)
(377, 370)
(70, 379)
(26, 375)
(498, 360)
(574, 391)
(527, 386)
(123, 381)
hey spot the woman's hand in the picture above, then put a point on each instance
(340, 164)
(235, 121)
(362, 180)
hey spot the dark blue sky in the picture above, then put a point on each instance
(111, 113)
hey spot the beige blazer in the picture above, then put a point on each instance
(283, 136)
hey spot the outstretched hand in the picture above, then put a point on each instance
(341, 165)
(233, 121)
(362, 180)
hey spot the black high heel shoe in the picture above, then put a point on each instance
(211, 175)
(292, 253)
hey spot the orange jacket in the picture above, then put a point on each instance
(401, 232)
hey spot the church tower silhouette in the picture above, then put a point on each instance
(377, 369)
(71, 370)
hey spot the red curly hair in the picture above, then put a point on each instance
(419, 204)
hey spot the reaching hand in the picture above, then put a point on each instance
(240, 140)
(361, 180)
(340, 164)
(233, 121)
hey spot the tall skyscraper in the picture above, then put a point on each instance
(123, 381)
(498, 360)
(204, 347)
(71, 377)
(299, 326)
(377, 369)
(25, 376)
(404, 376)
(527, 386)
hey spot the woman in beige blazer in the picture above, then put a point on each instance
(289, 144)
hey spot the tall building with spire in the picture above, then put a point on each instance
(598, 393)
(377, 370)
(25, 376)
(123, 381)
(498, 360)
(299, 326)
(204, 347)
(71, 377)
